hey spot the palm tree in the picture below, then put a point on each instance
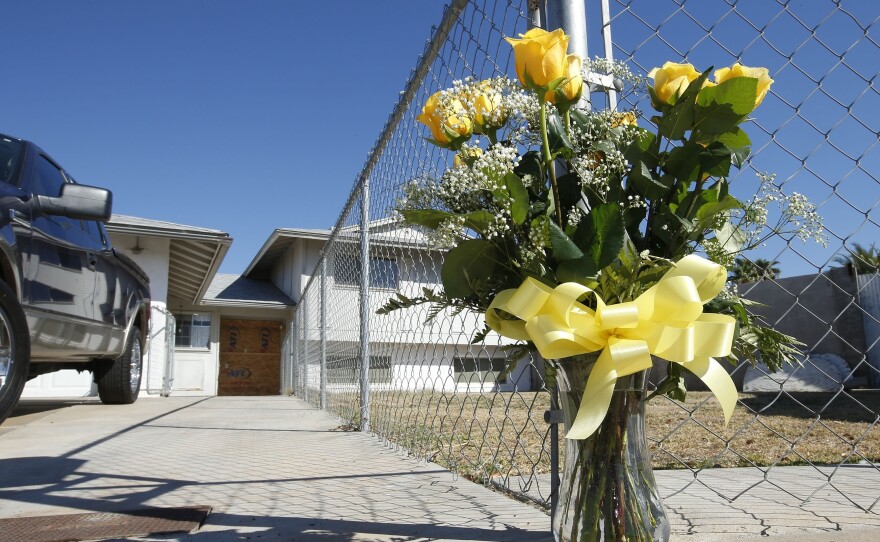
(746, 270)
(864, 260)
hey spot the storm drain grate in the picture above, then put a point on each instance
(103, 525)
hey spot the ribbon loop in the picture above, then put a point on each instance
(666, 321)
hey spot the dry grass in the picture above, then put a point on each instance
(482, 435)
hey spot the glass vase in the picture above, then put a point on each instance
(607, 490)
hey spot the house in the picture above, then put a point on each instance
(220, 334)
(406, 352)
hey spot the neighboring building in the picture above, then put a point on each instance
(218, 334)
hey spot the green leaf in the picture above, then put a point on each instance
(519, 208)
(608, 231)
(580, 120)
(582, 270)
(739, 144)
(479, 220)
(644, 182)
(557, 136)
(731, 238)
(684, 162)
(467, 266)
(673, 385)
(563, 247)
(569, 189)
(667, 223)
(530, 164)
(715, 160)
(711, 206)
(643, 149)
(429, 218)
(678, 120)
(720, 108)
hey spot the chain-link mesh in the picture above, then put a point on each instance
(427, 389)
(817, 132)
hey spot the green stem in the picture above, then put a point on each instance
(548, 162)
(682, 239)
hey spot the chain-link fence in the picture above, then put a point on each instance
(415, 378)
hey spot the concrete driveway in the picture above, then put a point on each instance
(274, 468)
(269, 468)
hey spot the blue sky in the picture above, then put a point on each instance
(249, 116)
(239, 116)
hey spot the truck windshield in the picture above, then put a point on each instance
(10, 156)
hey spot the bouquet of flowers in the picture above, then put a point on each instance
(580, 231)
(556, 193)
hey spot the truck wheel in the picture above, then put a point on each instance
(119, 380)
(15, 350)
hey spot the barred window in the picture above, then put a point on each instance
(384, 272)
(346, 369)
(474, 370)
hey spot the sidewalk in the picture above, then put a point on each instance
(270, 468)
(274, 468)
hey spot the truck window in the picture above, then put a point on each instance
(48, 180)
(10, 157)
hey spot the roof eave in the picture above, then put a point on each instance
(219, 254)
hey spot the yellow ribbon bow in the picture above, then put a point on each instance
(666, 321)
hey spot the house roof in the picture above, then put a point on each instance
(384, 232)
(194, 257)
(239, 291)
(276, 244)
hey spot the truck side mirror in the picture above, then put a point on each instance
(79, 202)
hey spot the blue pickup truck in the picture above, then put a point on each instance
(68, 300)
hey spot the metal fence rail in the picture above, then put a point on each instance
(421, 385)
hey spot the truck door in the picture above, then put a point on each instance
(59, 285)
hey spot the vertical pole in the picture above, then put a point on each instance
(554, 455)
(365, 306)
(168, 378)
(571, 17)
(609, 48)
(536, 14)
(323, 311)
(305, 358)
(293, 354)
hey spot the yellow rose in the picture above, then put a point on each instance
(488, 113)
(672, 80)
(573, 87)
(738, 70)
(626, 118)
(541, 57)
(446, 118)
(467, 156)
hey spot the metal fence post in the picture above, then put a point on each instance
(293, 354)
(323, 324)
(365, 306)
(571, 17)
(536, 15)
(305, 365)
(168, 373)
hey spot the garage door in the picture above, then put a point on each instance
(250, 357)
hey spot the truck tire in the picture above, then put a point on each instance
(119, 380)
(15, 350)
